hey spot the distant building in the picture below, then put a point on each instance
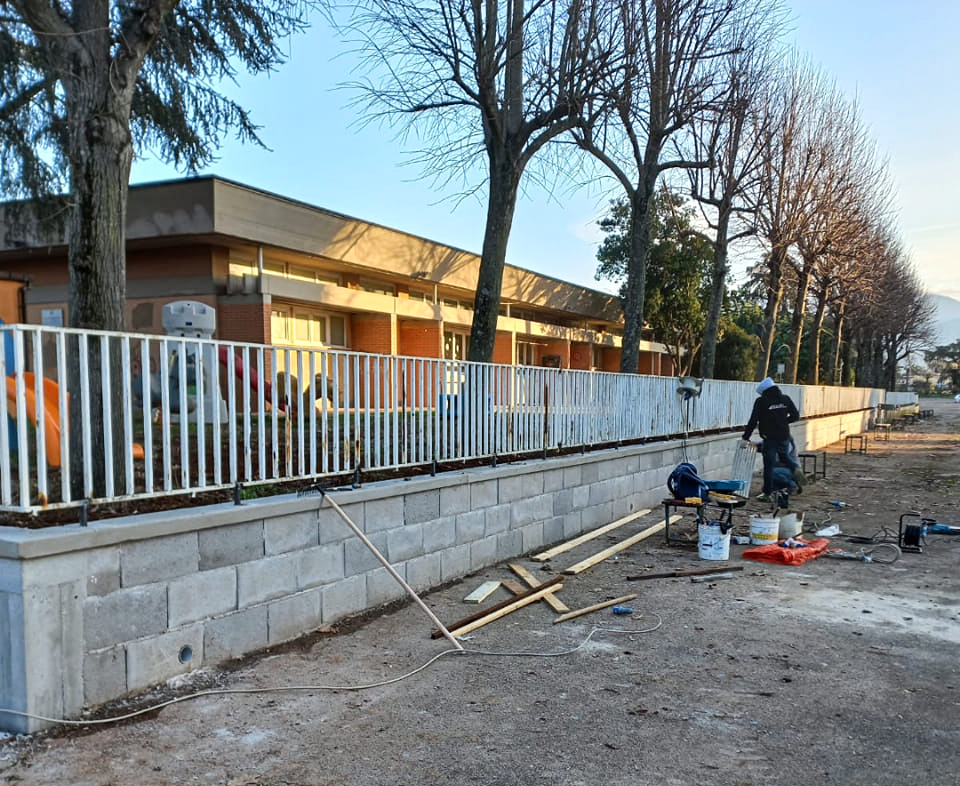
(285, 273)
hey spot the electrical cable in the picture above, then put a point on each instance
(301, 688)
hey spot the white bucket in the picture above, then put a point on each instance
(713, 543)
(763, 531)
(790, 526)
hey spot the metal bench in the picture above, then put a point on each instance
(855, 443)
(819, 458)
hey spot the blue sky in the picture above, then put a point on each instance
(900, 60)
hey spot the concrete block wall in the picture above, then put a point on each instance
(96, 612)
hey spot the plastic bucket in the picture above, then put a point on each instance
(764, 531)
(790, 526)
(713, 543)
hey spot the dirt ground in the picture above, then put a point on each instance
(834, 672)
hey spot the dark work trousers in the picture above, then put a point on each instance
(775, 451)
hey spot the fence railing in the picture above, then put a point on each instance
(161, 415)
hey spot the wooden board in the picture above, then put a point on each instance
(482, 592)
(595, 607)
(517, 603)
(484, 612)
(600, 556)
(532, 581)
(673, 574)
(543, 556)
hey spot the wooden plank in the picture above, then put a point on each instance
(514, 586)
(594, 607)
(532, 581)
(518, 603)
(600, 556)
(543, 556)
(672, 574)
(482, 592)
(483, 612)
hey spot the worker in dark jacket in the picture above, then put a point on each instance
(773, 412)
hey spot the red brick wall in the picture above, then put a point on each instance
(244, 322)
(580, 356)
(418, 339)
(561, 348)
(370, 333)
(503, 349)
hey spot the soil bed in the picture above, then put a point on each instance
(833, 672)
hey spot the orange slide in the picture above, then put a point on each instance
(51, 414)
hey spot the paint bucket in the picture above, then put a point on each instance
(790, 526)
(764, 531)
(713, 542)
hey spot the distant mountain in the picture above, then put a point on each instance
(946, 318)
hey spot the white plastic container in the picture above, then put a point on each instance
(713, 543)
(790, 526)
(764, 531)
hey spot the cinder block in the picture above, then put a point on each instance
(232, 545)
(471, 526)
(483, 494)
(455, 562)
(404, 543)
(525, 511)
(454, 499)
(439, 534)
(157, 559)
(532, 537)
(383, 514)
(234, 635)
(572, 476)
(483, 552)
(509, 544)
(553, 530)
(357, 556)
(600, 492)
(515, 487)
(104, 675)
(321, 565)
(13, 669)
(290, 533)
(423, 572)
(344, 598)
(125, 615)
(158, 658)
(383, 588)
(597, 515)
(562, 501)
(267, 578)
(589, 473)
(289, 618)
(581, 497)
(553, 480)
(496, 519)
(333, 529)
(422, 506)
(572, 524)
(201, 595)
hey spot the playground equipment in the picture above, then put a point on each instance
(192, 319)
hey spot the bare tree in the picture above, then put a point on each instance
(730, 138)
(792, 163)
(482, 79)
(669, 73)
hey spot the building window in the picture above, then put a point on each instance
(280, 324)
(455, 345)
(377, 287)
(526, 353)
(310, 328)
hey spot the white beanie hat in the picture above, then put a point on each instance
(765, 383)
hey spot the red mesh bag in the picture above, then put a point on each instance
(783, 555)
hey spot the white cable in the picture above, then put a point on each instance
(354, 688)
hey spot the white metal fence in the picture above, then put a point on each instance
(184, 415)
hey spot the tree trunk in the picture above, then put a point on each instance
(718, 289)
(813, 372)
(101, 154)
(636, 284)
(502, 200)
(796, 324)
(774, 297)
(833, 366)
